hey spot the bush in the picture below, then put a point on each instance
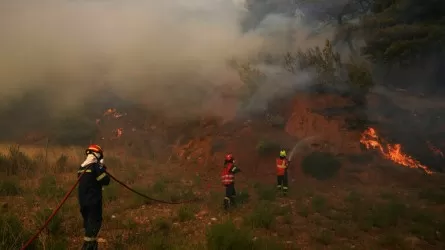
(266, 147)
(16, 161)
(187, 212)
(162, 226)
(321, 165)
(262, 216)
(62, 163)
(226, 236)
(267, 244)
(12, 233)
(159, 187)
(55, 225)
(242, 197)
(266, 193)
(9, 187)
(48, 188)
(110, 192)
(319, 204)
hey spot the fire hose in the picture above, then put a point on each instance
(65, 198)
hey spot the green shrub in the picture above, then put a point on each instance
(263, 216)
(267, 244)
(226, 236)
(10, 187)
(267, 147)
(389, 214)
(319, 204)
(187, 212)
(242, 197)
(16, 162)
(162, 226)
(159, 187)
(62, 163)
(48, 188)
(12, 233)
(55, 225)
(110, 192)
(266, 193)
(321, 165)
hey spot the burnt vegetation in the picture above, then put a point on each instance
(325, 208)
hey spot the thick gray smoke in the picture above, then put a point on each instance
(144, 50)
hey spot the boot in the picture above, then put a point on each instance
(232, 201)
(90, 245)
(226, 203)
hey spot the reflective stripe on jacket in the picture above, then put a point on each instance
(227, 175)
(281, 166)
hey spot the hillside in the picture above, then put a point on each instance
(341, 196)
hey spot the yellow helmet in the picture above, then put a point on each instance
(283, 153)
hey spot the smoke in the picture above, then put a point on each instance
(155, 52)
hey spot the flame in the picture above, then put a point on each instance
(392, 152)
(113, 112)
(119, 132)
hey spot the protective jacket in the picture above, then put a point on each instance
(228, 174)
(90, 185)
(282, 164)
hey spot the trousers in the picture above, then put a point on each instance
(229, 199)
(282, 183)
(92, 222)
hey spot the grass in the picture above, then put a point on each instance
(338, 219)
(49, 189)
(263, 216)
(266, 193)
(187, 212)
(10, 187)
(227, 236)
(12, 233)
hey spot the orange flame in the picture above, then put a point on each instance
(119, 132)
(113, 112)
(392, 152)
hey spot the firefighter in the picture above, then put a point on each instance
(228, 180)
(90, 194)
(282, 165)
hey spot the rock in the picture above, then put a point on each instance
(213, 219)
(113, 216)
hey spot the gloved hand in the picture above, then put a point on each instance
(102, 164)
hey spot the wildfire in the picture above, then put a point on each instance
(119, 132)
(113, 112)
(391, 152)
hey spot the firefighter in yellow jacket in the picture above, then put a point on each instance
(282, 164)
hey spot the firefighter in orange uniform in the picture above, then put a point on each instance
(228, 180)
(282, 165)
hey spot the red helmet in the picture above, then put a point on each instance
(94, 149)
(229, 158)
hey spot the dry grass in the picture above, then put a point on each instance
(333, 214)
